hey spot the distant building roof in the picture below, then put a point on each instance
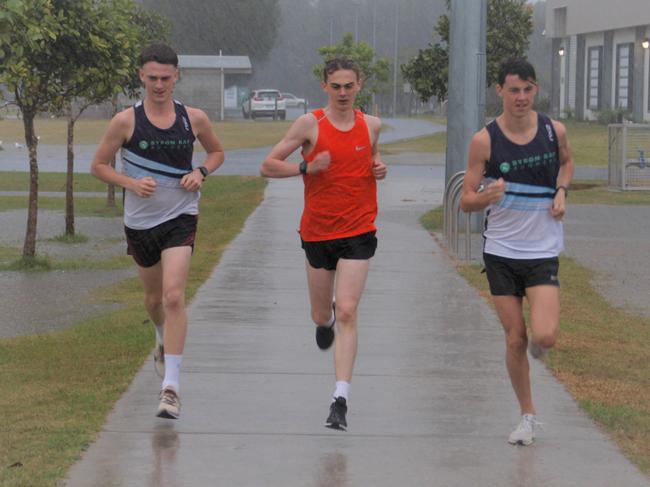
(231, 64)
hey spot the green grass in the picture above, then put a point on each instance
(233, 135)
(588, 143)
(436, 143)
(53, 408)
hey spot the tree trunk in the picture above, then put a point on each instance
(29, 248)
(69, 183)
(110, 196)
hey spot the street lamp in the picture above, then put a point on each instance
(645, 43)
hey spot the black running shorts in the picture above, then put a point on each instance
(145, 246)
(325, 254)
(511, 277)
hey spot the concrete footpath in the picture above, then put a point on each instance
(430, 404)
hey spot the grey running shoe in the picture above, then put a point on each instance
(524, 433)
(170, 404)
(159, 359)
(336, 419)
(325, 333)
(536, 350)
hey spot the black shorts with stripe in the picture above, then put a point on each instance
(146, 246)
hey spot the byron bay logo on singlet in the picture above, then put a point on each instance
(164, 144)
(543, 159)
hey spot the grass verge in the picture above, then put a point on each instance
(53, 408)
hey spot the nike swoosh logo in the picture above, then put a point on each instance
(360, 147)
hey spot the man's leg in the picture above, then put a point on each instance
(509, 309)
(544, 314)
(151, 278)
(350, 282)
(321, 291)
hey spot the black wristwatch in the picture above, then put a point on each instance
(303, 167)
(204, 171)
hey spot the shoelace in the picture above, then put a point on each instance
(169, 397)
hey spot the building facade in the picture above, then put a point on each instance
(601, 55)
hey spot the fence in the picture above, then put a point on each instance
(629, 153)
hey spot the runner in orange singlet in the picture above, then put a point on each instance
(340, 168)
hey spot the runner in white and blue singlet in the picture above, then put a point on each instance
(523, 161)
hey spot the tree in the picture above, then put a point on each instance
(374, 73)
(509, 25)
(32, 68)
(121, 29)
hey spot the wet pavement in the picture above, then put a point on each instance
(430, 403)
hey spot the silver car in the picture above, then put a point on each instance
(265, 103)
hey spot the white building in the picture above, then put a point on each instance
(601, 54)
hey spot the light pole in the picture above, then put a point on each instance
(394, 110)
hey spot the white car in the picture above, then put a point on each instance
(293, 101)
(264, 103)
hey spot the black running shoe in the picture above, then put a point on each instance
(336, 419)
(325, 334)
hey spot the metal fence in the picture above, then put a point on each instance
(629, 156)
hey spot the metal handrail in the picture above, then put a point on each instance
(451, 215)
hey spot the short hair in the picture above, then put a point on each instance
(160, 53)
(516, 66)
(338, 63)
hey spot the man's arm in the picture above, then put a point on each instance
(479, 154)
(565, 174)
(212, 145)
(299, 134)
(379, 169)
(118, 131)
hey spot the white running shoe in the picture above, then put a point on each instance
(524, 433)
(170, 404)
(159, 359)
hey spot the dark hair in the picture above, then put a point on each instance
(516, 66)
(160, 53)
(339, 63)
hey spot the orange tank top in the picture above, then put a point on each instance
(342, 201)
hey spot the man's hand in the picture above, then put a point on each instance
(320, 163)
(144, 187)
(192, 181)
(379, 169)
(559, 205)
(494, 191)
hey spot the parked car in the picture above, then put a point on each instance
(293, 101)
(264, 103)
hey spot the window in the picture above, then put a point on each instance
(594, 77)
(624, 67)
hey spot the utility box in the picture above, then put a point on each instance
(629, 156)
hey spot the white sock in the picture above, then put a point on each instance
(342, 390)
(172, 371)
(160, 333)
(331, 320)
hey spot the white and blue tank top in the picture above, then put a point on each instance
(520, 225)
(165, 155)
